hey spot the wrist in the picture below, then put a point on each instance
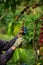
(13, 47)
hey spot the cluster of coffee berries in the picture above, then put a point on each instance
(41, 35)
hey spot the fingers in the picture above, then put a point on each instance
(18, 41)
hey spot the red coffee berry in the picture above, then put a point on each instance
(41, 41)
(41, 33)
(41, 37)
(42, 28)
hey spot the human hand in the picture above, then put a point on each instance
(18, 41)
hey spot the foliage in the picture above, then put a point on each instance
(23, 55)
(9, 9)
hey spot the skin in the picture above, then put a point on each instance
(19, 35)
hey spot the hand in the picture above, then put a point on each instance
(18, 41)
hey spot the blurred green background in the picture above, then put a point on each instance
(10, 27)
